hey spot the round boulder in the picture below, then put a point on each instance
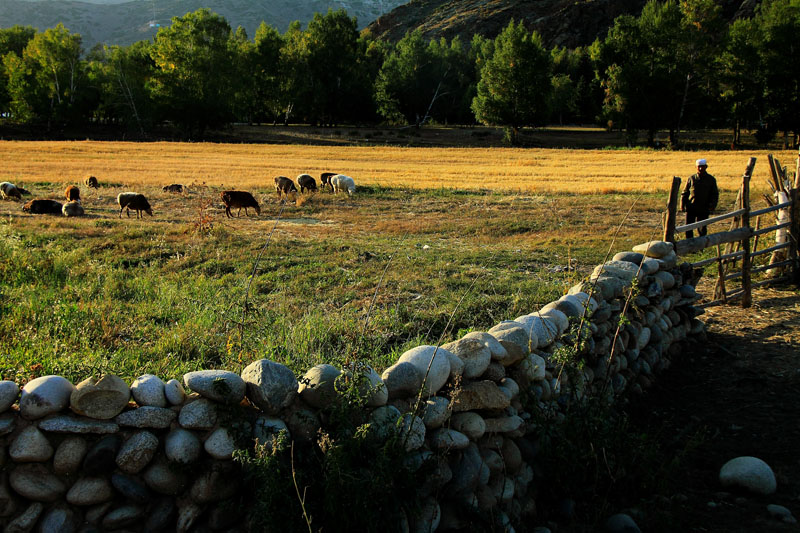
(9, 391)
(750, 473)
(473, 352)
(433, 363)
(149, 390)
(218, 385)
(43, 396)
(317, 386)
(270, 386)
(102, 398)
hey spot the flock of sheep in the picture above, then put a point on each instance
(128, 201)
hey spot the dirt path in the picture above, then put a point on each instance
(737, 395)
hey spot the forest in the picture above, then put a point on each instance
(676, 66)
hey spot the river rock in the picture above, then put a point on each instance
(304, 424)
(199, 414)
(475, 354)
(69, 455)
(781, 513)
(666, 280)
(657, 249)
(43, 396)
(621, 523)
(131, 489)
(470, 424)
(90, 491)
(749, 473)
(497, 350)
(479, 395)
(30, 446)
(383, 421)
(124, 516)
(515, 339)
(137, 452)
(412, 431)
(7, 424)
(268, 428)
(435, 412)
(9, 391)
(504, 424)
(100, 459)
(447, 439)
(533, 367)
(402, 380)
(160, 515)
(76, 424)
(58, 519)
(214, 485)
(182, 446)
(433, 365)
(147, 417)
(270, 386)
(220, 444)
(174, 392)
(559, 319)
(218, 385)
(317, 386)
(148, 390)
(102, 398)
(164, 478)
(35, 482)
(632, 257)
(650, 266)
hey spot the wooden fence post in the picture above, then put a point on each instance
(672, 210)
(747, 297)
(794, 234)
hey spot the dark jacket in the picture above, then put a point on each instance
(700, 193)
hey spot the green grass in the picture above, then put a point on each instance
(81, 297)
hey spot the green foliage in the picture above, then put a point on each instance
(514, 86)
(195, 71)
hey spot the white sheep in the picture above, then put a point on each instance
(72, 208)
(341, 182)
(9, 191)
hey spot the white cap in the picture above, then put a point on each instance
(701, 163)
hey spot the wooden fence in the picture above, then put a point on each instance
(741, 239)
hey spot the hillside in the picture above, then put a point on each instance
(122, 23)
(560, 22)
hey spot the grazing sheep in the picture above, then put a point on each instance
(325, 178)
(175, 187)
(72, 193)
(341, 182)
(91, 182)
(42, 207)
(306, 182)
(135, 201)
(9, 190)
(286, 186)
(72, 208)
(240, 199)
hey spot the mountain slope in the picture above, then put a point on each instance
(560, 22)
(126, 22)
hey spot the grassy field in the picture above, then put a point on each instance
(434, 242)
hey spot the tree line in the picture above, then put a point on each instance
(677, 65)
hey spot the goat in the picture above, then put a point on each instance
(240, 199)
(325, 178)
(72, 193)
(9, 190)
(135, 201)
(42, 207)
(175, 187)
(307, 182)
(341, 182)
(91, 182)
(72, 208)
(286, 186)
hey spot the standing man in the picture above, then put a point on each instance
(700, 196)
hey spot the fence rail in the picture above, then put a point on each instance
(738, 237)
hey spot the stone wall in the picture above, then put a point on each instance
(103, 455)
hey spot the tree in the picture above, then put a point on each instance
(514, 87)
(742, 76)
(195, 66)
(13, 39)
(268, 101)
(48, 82)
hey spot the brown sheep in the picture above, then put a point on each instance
(91, 182)
(135, 201)
(285, 186)
(42, 207)
(306, 182)
(73, 193)
(175, 187)
(325, 178)
(240, 199)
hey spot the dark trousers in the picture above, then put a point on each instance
(694, 215)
